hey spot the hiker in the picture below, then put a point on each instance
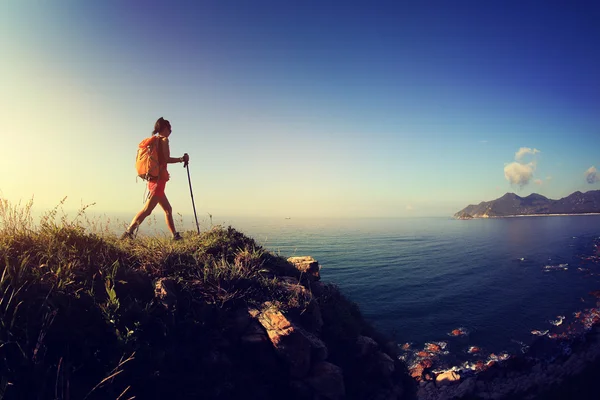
(156, 187)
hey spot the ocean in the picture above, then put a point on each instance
(470, 291)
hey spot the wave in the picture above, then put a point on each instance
(559, 267)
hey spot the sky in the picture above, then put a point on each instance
(300, 109)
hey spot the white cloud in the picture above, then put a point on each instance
(524, 151)
(538, 182)
(517, 173)
(591, 175)
(409, 208)
(520, 173)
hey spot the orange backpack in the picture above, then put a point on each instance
(146, 161)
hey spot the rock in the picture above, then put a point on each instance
(164, 293)
(385, 364)
(444, 396)
(215, 359)
(240, 320)
(317, 288)
(254, 334)
(327, 380)
(311, 318)
(446, 378)
(318, 349)
(433, 348)
(385, 394)
(365, 346)
(301, 390)
(391, 348)
(398, 390)
(428, 376)
(253, 312)
(498, 396)
(480, 386)
(308, 267)
(417, 371)
(291, 344)
(466, 387)
(422, 393)
(254, 339)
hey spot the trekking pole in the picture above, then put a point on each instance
(185, 165)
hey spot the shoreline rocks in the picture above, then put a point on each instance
(526, 377)
(322, 356)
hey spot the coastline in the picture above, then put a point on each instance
(529, 215)
(526, 376)
(561, 357)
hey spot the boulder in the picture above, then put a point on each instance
(327, 380)
(365, 346)
(289, 341)
(446, 378)
(309, 268)
(417, 371)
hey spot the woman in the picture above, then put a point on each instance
(162, 127)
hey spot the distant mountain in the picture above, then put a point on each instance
(535, 204)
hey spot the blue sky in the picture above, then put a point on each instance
(383, 109)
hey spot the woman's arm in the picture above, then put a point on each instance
(167, 153)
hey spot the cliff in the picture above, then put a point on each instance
(215, 316)
(535, 204)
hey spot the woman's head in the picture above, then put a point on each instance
(162, 126)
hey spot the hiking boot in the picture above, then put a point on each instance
(177, 236)
(127, 236)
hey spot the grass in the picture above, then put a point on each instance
(79, 319)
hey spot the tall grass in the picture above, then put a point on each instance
(78, 316)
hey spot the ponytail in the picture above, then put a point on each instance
(159, 125)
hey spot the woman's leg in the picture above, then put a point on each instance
(144, 212)
(166, 206)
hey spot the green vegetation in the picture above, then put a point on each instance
(78, 313)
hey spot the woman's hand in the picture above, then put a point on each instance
(185, 158)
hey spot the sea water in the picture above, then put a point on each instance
(480, 289)
(476, 287)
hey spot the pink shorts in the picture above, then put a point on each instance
(157, 188)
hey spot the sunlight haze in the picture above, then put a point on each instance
(308, 109)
